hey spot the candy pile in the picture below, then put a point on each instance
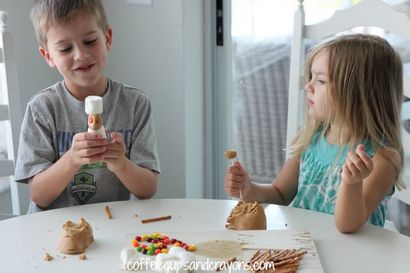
(156, 243)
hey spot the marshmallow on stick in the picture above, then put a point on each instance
(94, 109)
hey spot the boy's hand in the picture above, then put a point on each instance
(357, 166)
(87, 148)
(114, 156)
(236, 180)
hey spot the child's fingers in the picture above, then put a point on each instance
(353, 169)
(355, 162)
(239, 167)
(235, 178)
(346, 171)
(364, 156)
(90, 152)
(233, 188)
(117, 137)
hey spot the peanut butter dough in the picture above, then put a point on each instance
(246, 216)
(75, 238)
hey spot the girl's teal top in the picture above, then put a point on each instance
(319, 178)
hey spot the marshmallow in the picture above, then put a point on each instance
(93, 105)
(176, 260)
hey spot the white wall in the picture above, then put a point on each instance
(158, 49)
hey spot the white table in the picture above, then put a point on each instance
(25, 239)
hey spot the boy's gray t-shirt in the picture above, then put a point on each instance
(52, 118)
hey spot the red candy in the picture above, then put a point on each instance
(134, 243)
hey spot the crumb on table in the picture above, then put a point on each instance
(47, 257)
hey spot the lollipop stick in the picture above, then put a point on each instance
(231, 154)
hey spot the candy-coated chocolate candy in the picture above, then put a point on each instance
(158, 243)
(135, 243)
(192, 248)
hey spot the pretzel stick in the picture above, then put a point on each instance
(296, 254)
(108, 212)
(285, 260)
(255, 255)
(150, 220)
(285, 270)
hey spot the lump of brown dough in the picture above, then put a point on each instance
(246, 216)
(75, 238)
(230, 154)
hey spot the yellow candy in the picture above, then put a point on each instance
(192, 248)
(164, 250)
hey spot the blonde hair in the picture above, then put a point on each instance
(46, 13)
(365, 85)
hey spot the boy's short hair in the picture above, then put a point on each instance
(46, 13)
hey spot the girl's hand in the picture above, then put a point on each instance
(114, 156)
(357, 166)
(86, 148)
(236, 180)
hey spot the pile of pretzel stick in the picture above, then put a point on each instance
(284, 261)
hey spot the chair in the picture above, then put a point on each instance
(404, 195)
(10, 111)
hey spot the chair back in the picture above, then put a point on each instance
(10, 110)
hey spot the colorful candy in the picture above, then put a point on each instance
(156, 243)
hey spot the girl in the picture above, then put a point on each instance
(349, 155)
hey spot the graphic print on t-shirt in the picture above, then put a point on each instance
(83, 187)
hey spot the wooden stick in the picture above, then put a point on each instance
(108, 212)
(150, 220)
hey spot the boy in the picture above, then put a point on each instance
(62, 163)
